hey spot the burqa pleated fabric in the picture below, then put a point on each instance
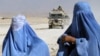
(21, 40)
(85, 29)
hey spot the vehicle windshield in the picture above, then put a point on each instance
(56, 15)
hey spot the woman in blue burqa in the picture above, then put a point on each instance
(82, 38)
(21, 40)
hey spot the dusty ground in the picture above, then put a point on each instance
(40, 25)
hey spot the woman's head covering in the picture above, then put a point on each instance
(85, 26)
(18, 22)
(81, 6)
(83, 21)
(21, 40)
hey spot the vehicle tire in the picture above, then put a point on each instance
(50, 26)
(62, 27)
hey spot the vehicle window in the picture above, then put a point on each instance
(56, 15)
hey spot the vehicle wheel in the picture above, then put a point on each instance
(62, 27)
(50, 26)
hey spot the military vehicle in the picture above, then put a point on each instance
(57, 17)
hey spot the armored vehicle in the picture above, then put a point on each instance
(57, 17)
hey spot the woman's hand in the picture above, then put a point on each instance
(68, 38)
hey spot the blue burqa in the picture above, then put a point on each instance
(85, 29)
(21, 40)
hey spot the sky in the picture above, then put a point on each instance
(41, 7)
